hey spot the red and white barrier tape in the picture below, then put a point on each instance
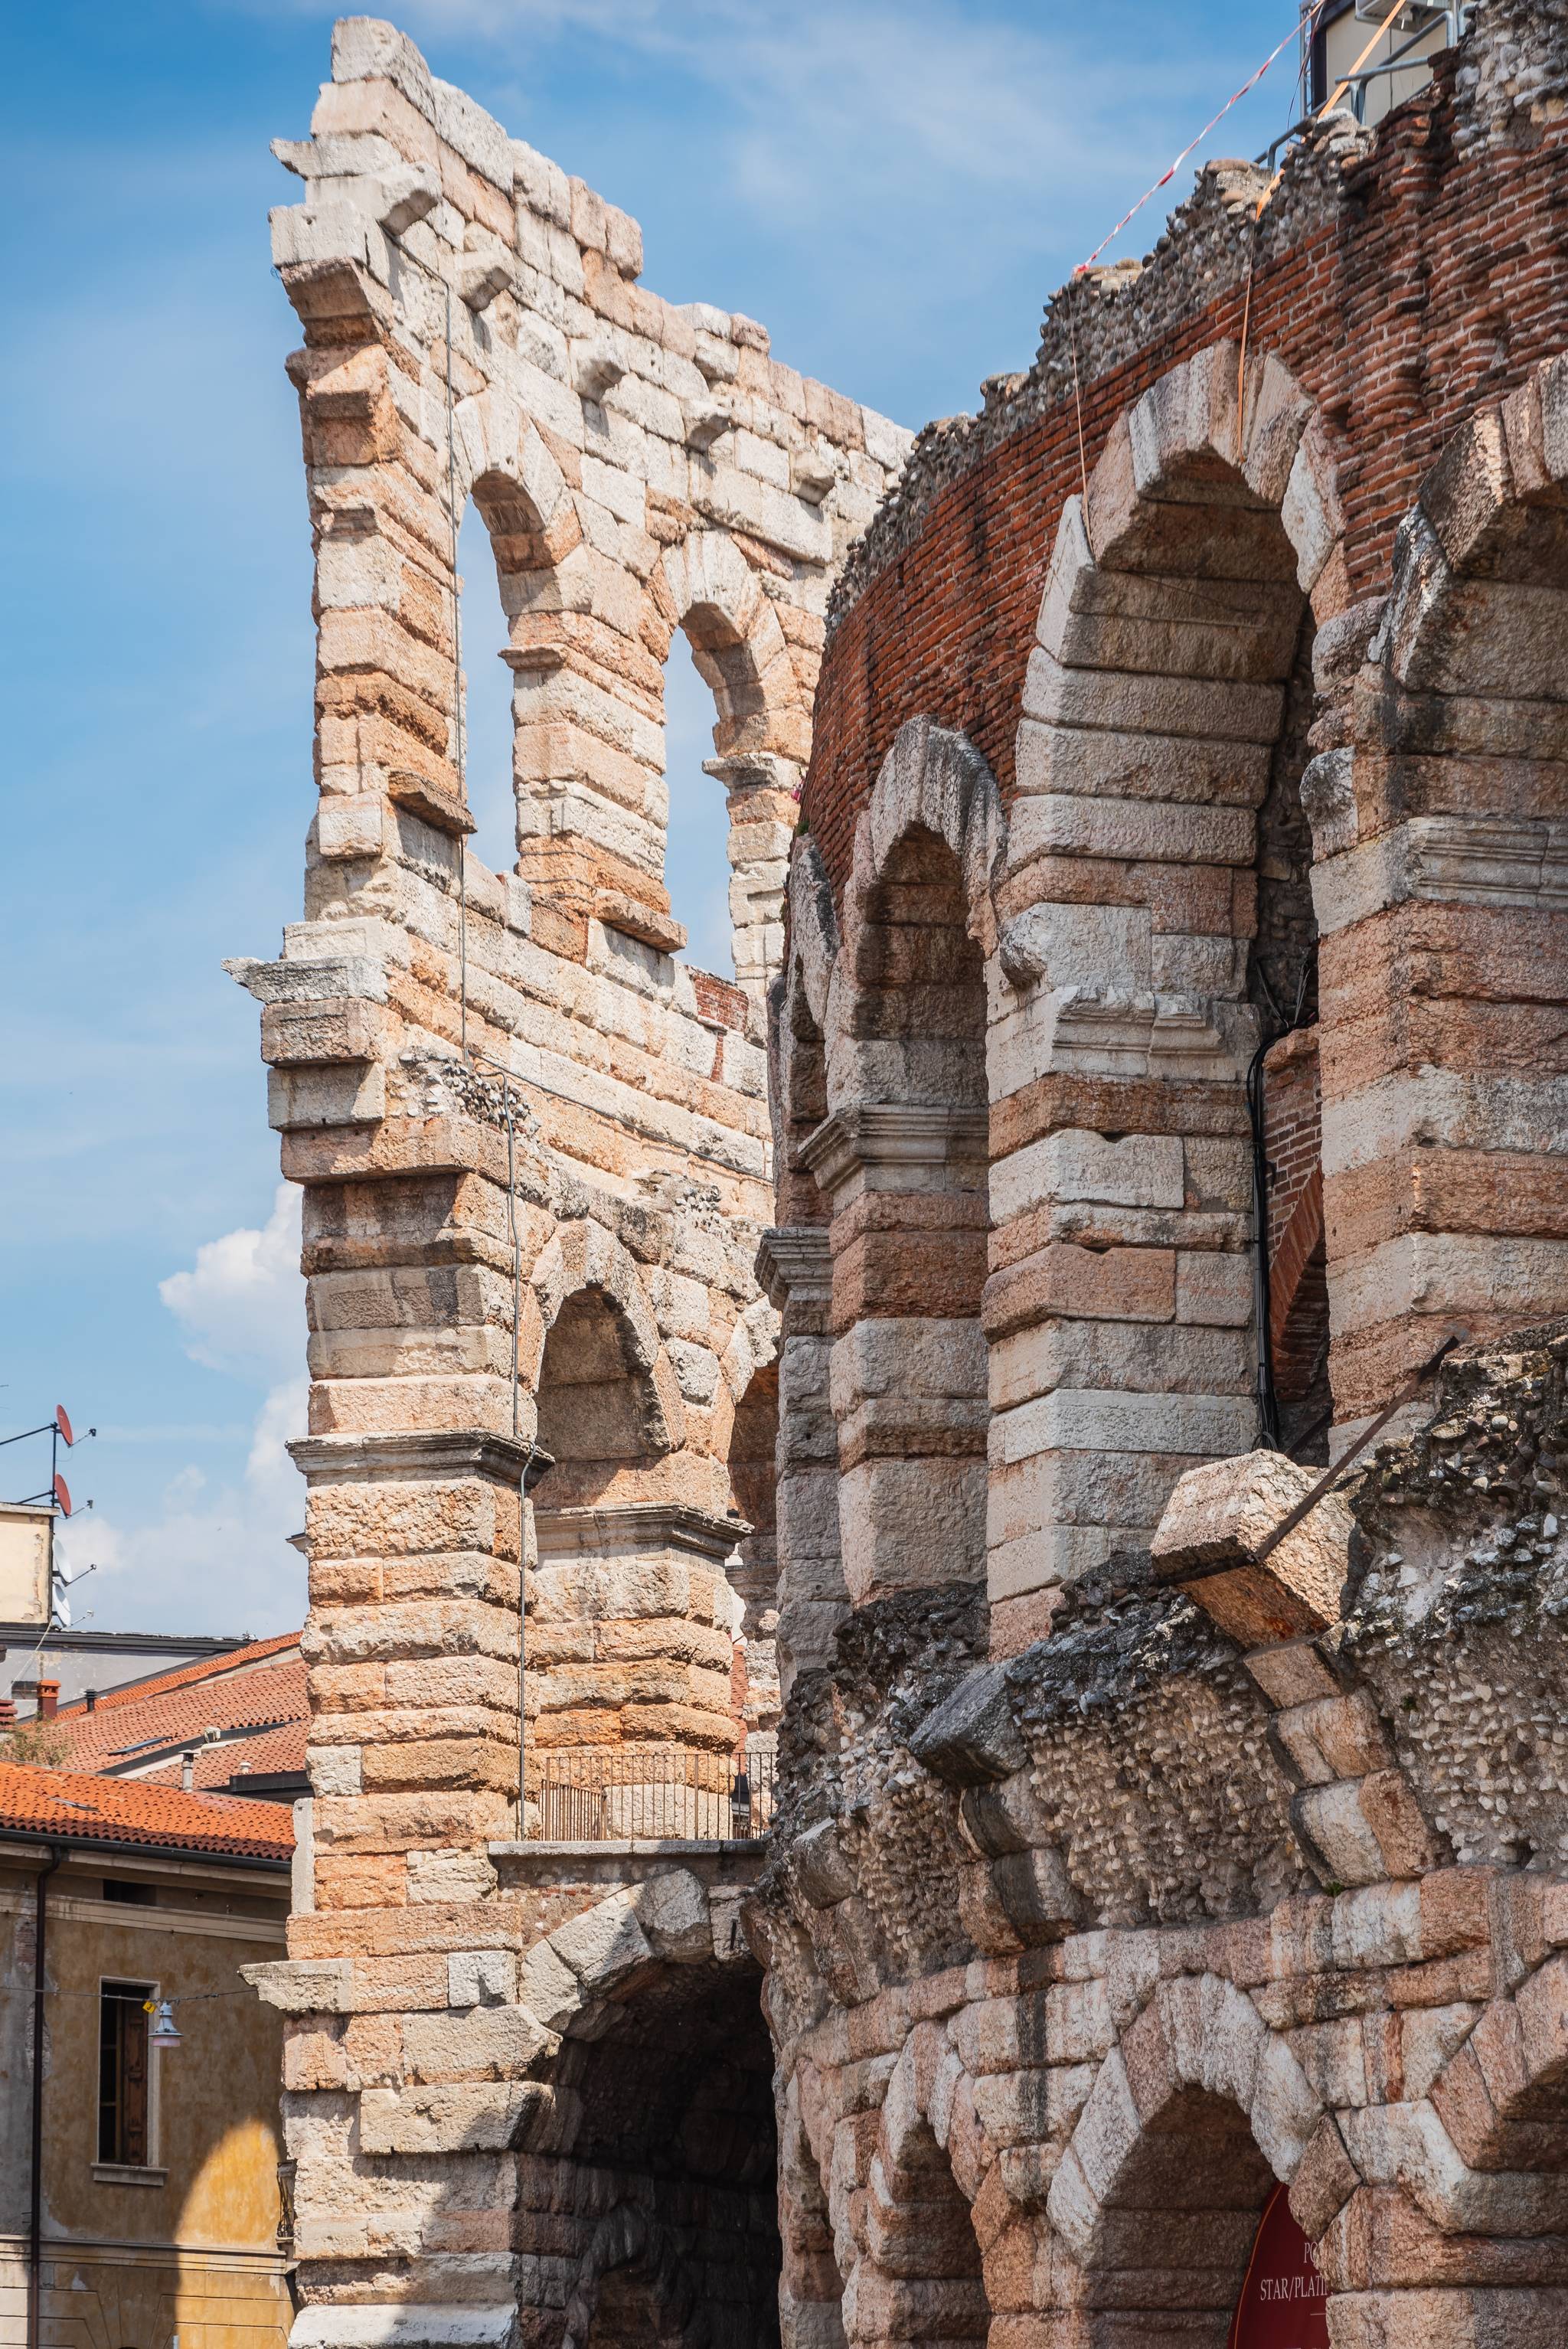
(1306, 23)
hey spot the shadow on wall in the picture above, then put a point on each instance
(598, 1413)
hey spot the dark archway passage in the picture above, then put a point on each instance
(663, 2189)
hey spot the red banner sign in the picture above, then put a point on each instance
(1285, 2301)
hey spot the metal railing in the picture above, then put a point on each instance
(651, 1792)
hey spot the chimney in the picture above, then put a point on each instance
(8, 1713)
(48, 1699)
(188, 1772)
(91, 1699)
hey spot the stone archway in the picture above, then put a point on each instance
(1193, 2117)
(1184, 589)
(902, 1157)
(658, 2157)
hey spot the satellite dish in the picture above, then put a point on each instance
(62, 1420)
(63, 1497)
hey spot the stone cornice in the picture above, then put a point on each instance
(794, 1261)
(636, 1526)
(894, 1135)
(437, 1452)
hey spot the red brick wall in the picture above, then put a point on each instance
(1425, 280)
(1293, 1139)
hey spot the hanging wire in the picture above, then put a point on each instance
(1078, 394)
(516, 1242)
(460, 733)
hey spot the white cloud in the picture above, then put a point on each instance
(242, 1305)
(214, 1556)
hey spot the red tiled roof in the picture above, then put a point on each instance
(262, 1709)
(237, 1661)
(70, 1804)
(269, 1750)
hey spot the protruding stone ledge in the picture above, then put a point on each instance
(637, 1526)
(459, 1452)
(795, 1265)
(901, 1135)
(1213, 1540)
(440, 808)
(635, 919)
(404, 2325)
(972, 1738)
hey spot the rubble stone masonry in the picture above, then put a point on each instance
(1167, 955)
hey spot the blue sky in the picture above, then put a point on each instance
(893, 190)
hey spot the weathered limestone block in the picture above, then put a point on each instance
(604, 1945)
(673, 1910)
(1216, 1522)
(466, 2116)
(405, 2325)
(972, 1737)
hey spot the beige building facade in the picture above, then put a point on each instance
(160, 2210)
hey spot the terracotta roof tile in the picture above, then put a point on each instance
(282, 1748)
(69, 1804)
(144, 1726)
(236, 1663)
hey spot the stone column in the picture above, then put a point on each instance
(1441, 886)
(907, 1372)
(630, 1635)
(795, 1265)
(417, 1544)
(762, 790)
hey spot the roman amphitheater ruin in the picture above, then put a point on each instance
(864, 1790)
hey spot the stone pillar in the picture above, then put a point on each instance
(907, 1371)
(1440, 887)
(1120, 1300)
(631, 1631)
(795, 1267)
(763, 791)
(417, 1544)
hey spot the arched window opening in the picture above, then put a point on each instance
(804, 1074)
(697, 853)
(597, 1409)
(1163, 740)
(488, 723)
(906, 1165)
(922, 989)
(754, 1568)
(630, 1686)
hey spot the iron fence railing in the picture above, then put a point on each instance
(651, 1792)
